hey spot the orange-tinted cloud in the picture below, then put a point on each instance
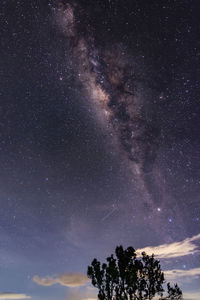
(66, 279)
(6, 296)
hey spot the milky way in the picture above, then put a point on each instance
(109, 80)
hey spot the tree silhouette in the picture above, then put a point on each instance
(174, 292)
(125, 277)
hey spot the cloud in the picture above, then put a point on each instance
(186, 296)
(176, 249)
(66, 279)
(89, 298)
(192, 296)
(5, 296)
(183, 274)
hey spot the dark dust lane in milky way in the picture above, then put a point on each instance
(126, 103)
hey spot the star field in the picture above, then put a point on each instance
(99, 138)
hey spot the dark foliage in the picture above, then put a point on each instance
(126, 277)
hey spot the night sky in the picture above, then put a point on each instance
(99, 140)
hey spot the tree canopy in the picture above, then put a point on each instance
(124, 276)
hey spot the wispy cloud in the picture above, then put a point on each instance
(66, 279)
(186, 296)
(89, 299)
(192, 296)
(175, 274)
(6, 296)
(176, 249)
